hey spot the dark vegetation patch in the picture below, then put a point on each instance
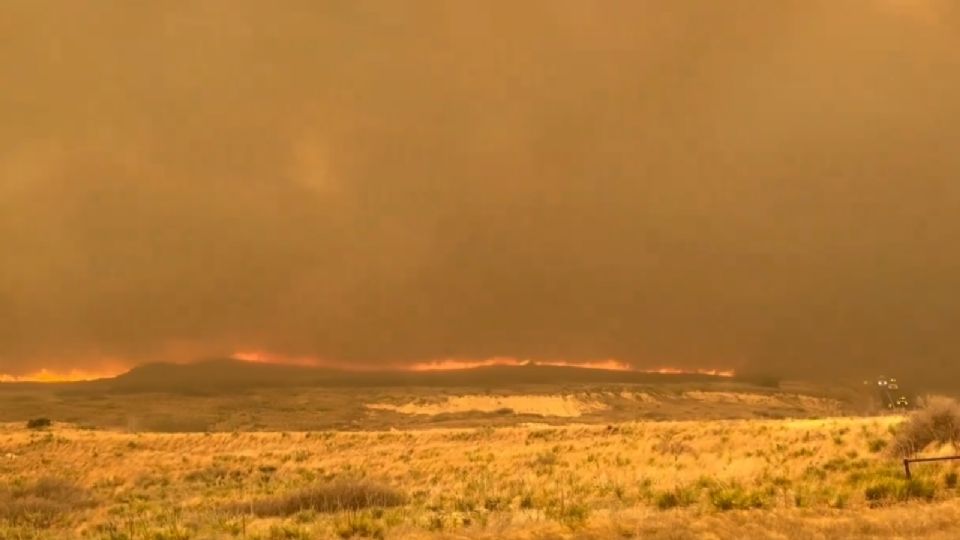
(899, 489)
(39, 423)
(336, 496)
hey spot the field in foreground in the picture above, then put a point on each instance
(814, 478)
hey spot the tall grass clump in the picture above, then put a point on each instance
(334, 496)
(43, 503)
(899, 489)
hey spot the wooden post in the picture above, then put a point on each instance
(906, 467)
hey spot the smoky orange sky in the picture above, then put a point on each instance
(755, 185)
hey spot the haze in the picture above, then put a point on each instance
(760, 186)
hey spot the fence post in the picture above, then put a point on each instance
(906, 467)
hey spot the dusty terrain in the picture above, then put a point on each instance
(782, 478)
(457, 457)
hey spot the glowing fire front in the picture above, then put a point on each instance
(53, 376)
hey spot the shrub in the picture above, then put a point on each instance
(880, 490)
(284, 531)
(950, 479)
(876, 445)
(39, 423)
(899, 489)
(666, 500)
(362, 526)
(917, 488)
(331, 497)
(543, 434)
(736, 498)
(575, 515)
(42, 503)
(679, 496)
(938, 422)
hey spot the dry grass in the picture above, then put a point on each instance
(42, 503)
(337, 496)
(823, 478)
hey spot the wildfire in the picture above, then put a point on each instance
(448, 364)
(700, 371)
(73, 375)
(261, 357)
(50, 376)
(608, 364)
(431, 365)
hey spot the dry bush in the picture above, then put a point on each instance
(39, 423)
(331, 497)
(938, 421)
(43, 503)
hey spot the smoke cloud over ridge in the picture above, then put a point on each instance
(770, 186)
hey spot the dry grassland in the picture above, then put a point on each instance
(825, 478)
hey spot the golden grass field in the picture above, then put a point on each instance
(747, 478)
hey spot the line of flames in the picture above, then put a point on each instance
(46, 375)
(608, 364)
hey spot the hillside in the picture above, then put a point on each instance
(223, 375)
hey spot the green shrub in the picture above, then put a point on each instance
(890, 489)
(917, 488)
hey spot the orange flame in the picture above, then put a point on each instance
(699, 371)
(262, 357)
(462, 363)
(49, 376)
(449, 364)
(608, 364)
(52, 376)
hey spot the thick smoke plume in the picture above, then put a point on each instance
(767, 186)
